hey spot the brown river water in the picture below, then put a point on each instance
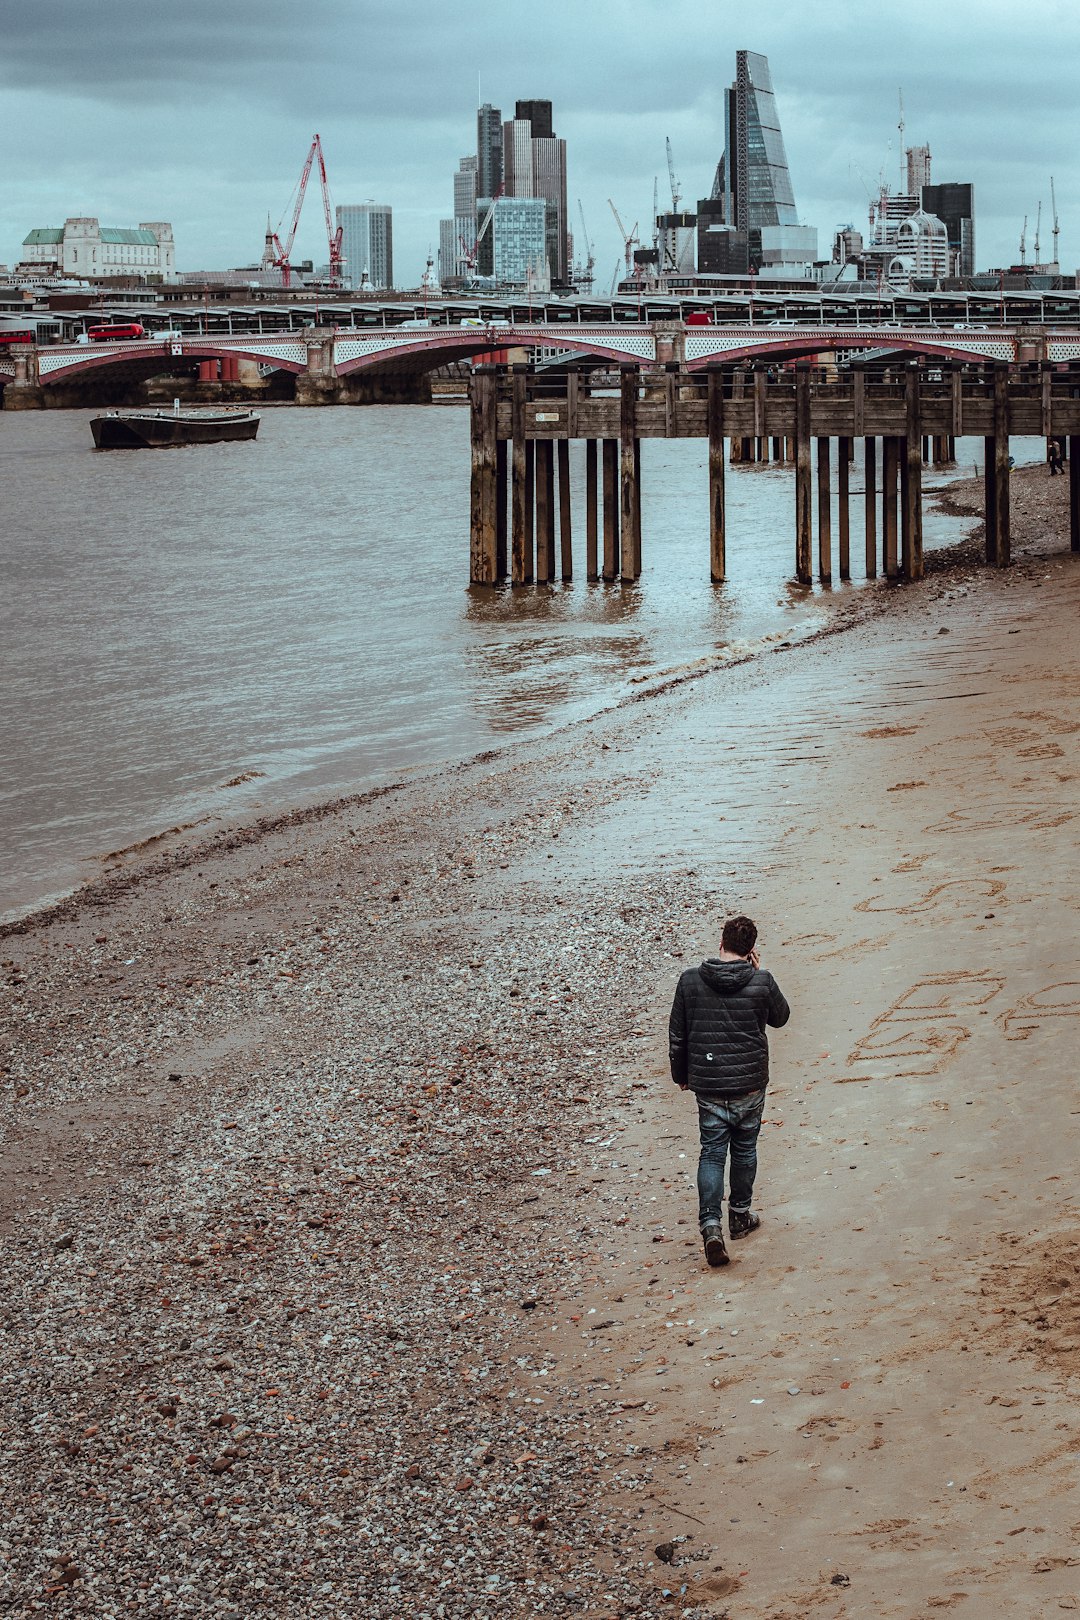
(295, 612)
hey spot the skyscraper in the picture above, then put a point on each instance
(367, 244)
(489, 152)
(538, 114)
(465, 210)
(549, 182)
(517, 158)
(953, 202)
(752, 178)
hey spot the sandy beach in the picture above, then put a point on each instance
(350, 1233)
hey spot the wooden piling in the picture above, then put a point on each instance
(999, 542)
(529, 555)
(483, 545)
(566, 554)
(803, 519)
(1074, 492)
(889, 466)
(715, 424)
(500, 510)
(913, 466)
(591, 571)
(628, 512)
(824, 513)
(545, 510)
(637, 508)
(843, 481)
(519, 525)
(870, 505)
(611, 508)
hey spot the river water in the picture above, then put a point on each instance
(298, 608)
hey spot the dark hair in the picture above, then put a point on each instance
(739, 936)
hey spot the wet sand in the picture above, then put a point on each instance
(351, 1242)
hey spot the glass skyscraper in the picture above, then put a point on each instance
(753, 182)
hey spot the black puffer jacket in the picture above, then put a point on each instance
(716, 1034)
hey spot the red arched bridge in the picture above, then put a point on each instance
(326, 356)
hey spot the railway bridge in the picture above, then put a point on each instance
(908, 390)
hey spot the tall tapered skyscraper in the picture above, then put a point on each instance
(753, 182)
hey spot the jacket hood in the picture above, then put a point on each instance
(726, 977)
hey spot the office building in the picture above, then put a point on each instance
(367, 244)
(84, 247)
(517, 153)
(722, 250)
(449, 252)
(465, 213)
(489, 152)
(953, 202)
(538, 114)
(515, 243)
(549, 182)
(676, 241)
(752, 178)
(920, 248)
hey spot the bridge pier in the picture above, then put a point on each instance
(566, 550)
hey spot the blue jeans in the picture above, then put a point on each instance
(736, 1120)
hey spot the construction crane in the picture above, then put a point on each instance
(1023, 241)
(470, 253)
(590, 259)
(282, 255)
(655, 212)
(1053, 210)
(628, 239)
(1038, 222)
(676, 193)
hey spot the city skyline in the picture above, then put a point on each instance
(214, 162)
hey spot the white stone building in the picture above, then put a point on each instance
(85, 248)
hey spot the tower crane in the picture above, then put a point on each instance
(628, 238)
(1023, 241)
(470, 253)
(1038, 222)
(590, 260)
(282, 255)
(655, 212)
(1053, 210)
(676, 192)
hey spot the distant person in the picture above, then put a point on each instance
(1054, 456)
(719, 1050)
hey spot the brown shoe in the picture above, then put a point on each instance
(742, 1222)
(713, 1237)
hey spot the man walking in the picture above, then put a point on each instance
(719, 1050)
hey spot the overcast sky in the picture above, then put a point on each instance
(201, 111)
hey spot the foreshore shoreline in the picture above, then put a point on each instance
(351, 1245)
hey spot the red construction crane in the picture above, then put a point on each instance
(283, 255)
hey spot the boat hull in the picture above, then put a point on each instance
(152, 430)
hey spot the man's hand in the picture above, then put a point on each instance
(754, 959)
(683, 1086)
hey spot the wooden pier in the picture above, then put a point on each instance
(523, 422)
